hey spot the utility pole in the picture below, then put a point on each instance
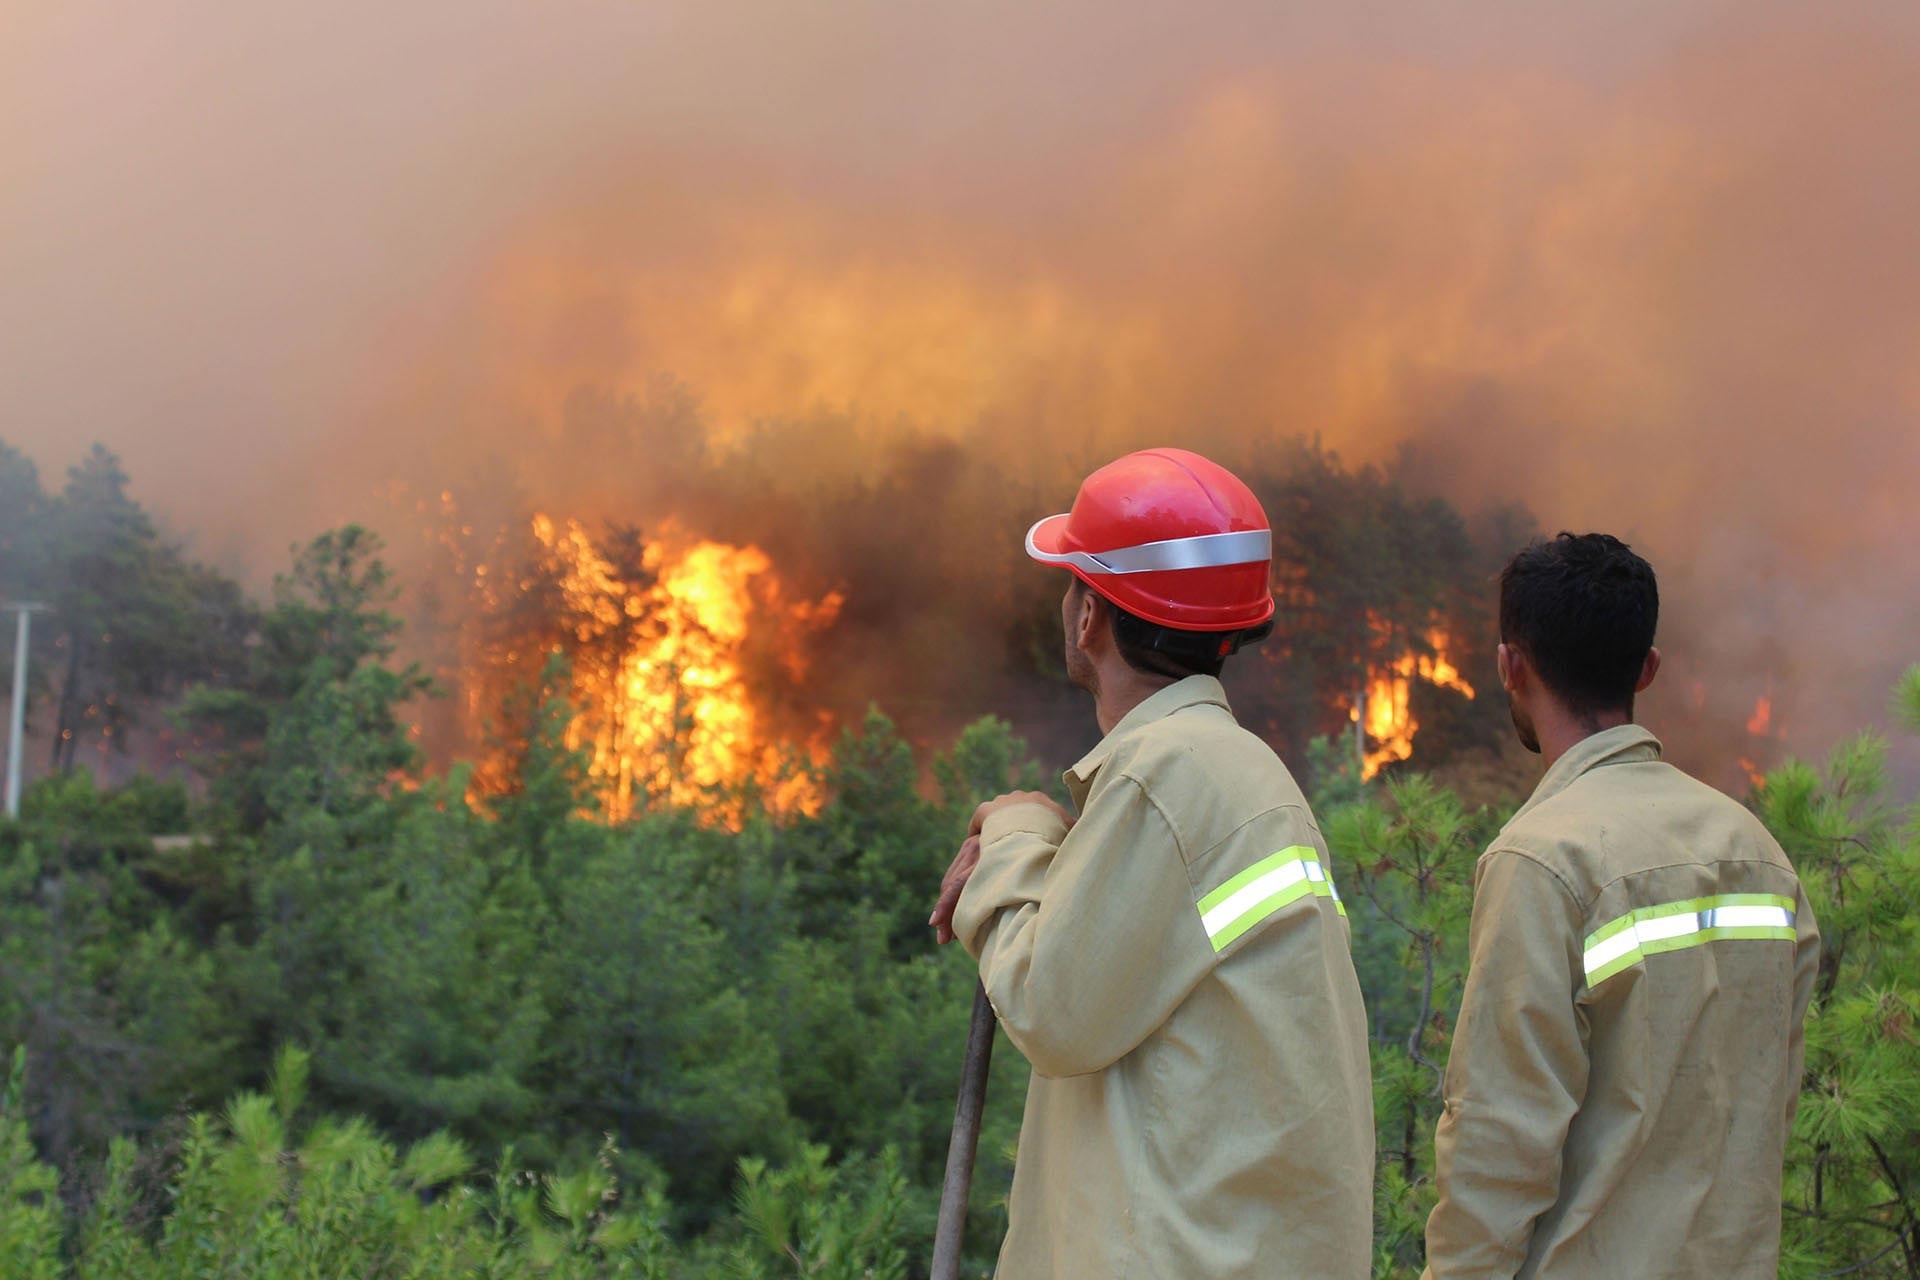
(23, 635)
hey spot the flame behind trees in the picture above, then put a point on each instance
(1385, 611)
(1765, 733)
(664, 638)
(1390, 723)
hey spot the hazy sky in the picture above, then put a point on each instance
(1653, 267)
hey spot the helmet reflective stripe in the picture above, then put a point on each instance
(1207, 551)
(1672, 926)
(1274, 882)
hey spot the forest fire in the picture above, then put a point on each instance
(657, 635)
(1390, 724)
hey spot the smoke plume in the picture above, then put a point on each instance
(1653, 269)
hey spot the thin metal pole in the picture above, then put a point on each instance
(22, 635)
(952, 1223)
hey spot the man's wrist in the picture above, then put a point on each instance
(1011, 868)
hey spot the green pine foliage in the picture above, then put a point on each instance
(257, 1192)
(30, 1225)
(1906, 698)
(1405, 860)
(1853, 1166)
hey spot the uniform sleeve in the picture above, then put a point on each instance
(1806, 976)
(1087, 939)
(1516, 1076)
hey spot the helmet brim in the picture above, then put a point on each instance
(1047, 540)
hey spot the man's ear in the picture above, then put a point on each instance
(1513, 665)
(1091, 617)
(1648, 670)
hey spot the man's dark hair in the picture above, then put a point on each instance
(1583, 608)
(1152, 649)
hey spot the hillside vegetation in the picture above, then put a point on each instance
(374, 1023)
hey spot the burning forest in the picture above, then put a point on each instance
(872, 332)
(716, 631)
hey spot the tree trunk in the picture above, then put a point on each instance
(63, 730)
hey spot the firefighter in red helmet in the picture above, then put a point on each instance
(1173, 961)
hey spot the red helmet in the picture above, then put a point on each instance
(1169, 537)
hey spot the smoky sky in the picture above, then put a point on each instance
(1653, 268)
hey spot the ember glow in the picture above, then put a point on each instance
(1390, 724)
(666, 713)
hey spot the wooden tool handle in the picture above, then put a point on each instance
(952, 1225)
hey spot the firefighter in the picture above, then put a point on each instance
(1628, 1053)
(1174, 964)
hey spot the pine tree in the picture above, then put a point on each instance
(1405, 867)
(131, 619)
(1853, 1165)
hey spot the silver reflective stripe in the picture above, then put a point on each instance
(1206, 551)
(1673, 926)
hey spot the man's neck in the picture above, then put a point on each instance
(1120, 691)
(1560, 731)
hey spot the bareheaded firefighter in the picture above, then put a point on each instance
(1174, 961)
(1628, 1052)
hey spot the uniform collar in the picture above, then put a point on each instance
(1193, 691)
(1622, 744)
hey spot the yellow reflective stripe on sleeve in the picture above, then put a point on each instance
(1267, 886)
(1673, 926)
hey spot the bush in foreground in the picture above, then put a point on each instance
(255, 1195)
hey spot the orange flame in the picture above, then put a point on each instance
(1761, 724)
(666, 714)
(1390, 722)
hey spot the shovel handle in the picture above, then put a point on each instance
(952, 1223)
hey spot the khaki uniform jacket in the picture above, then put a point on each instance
(1176, 969)
(1628, 1055)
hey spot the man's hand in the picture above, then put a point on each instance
(950, 886)
(969, 857)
